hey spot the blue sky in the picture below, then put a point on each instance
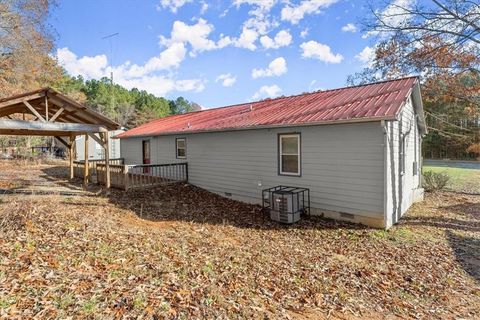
(214, 52)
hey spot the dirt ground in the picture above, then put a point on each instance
(180, 252)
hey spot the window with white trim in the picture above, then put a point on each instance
(181, 148)
(289, 154)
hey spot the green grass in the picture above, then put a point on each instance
(466, 180)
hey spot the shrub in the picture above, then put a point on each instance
(475, 149)
(435, 180)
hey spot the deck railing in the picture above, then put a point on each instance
(132, 176)
(79, 165)
(144, 175)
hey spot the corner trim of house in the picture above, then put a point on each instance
(385, 177)
(418, 195)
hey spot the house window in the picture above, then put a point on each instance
(289, 154)
(181, 148)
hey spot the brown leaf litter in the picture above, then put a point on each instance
(180, 252)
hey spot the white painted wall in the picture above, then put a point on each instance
(342, 164)
(95, 150)
(402, 189)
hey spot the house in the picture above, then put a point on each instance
(95, 150)
(357, 148)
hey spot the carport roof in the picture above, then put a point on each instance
(56, 115)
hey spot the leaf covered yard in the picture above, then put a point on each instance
(180, 252)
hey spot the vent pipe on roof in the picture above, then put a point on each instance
(251, 108)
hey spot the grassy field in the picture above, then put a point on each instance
(179, 252)
(463, 180)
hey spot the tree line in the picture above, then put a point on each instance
(129, 108)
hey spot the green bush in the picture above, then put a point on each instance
(435, 180)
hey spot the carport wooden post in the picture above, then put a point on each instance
(71, 146)
(107, 159)
(85, 170)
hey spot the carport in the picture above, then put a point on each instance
(46, 112)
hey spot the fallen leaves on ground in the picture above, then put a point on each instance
(178, 251)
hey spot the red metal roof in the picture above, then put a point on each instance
(376, 101)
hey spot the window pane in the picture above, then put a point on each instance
(290, 164)
(180, 143)
(181, 152)
(289, 145)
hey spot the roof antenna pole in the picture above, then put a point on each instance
(110, 38)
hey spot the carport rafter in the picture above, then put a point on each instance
(54, 114)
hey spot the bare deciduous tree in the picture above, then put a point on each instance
(438, 40)
(457, 22)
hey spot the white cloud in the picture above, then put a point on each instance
(144, 77)
(196, 35)
(396, 11)
(171, 57)
(282, 39)
(224, 41)
(227, 79)
(224, 13)
(259, 19)
(304, 33)
(161, 85)
(247, 39)
(196, 85)
(296, 13)
(275, 68)
(89, 67)
(322, 52)
(267, 92)
(314, 87)
(349, 27)
(264, 5)
(395, 14)
(204, 7)
(173, 5)
(366, 55)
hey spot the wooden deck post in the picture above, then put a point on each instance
(107, 159)
(71, 155)
(125, 177)
(85, 170)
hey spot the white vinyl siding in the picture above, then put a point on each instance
(342, 164)
(132, 150)
(403, 160)
(403, 143)
(95, 150)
